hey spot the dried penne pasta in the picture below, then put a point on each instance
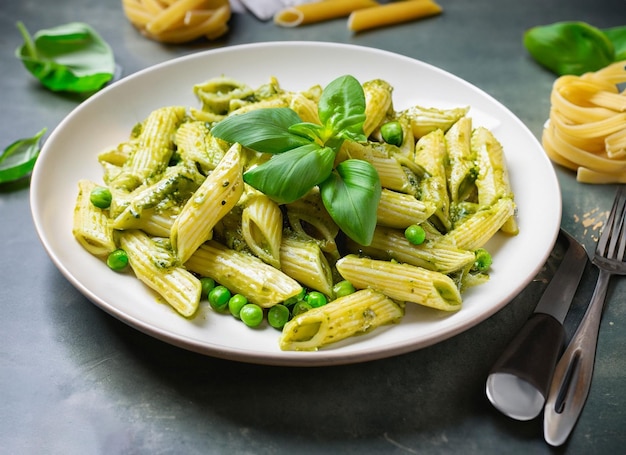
(319, 11)
(391, 14)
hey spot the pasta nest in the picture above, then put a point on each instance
(587, 127)
(178, 21)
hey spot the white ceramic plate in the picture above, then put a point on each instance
(105, 119)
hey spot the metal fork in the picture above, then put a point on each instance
(572, 377)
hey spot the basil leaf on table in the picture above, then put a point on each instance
(617, 35)
(351, 195)
(18, 159)
(70, 57)
(569, 47)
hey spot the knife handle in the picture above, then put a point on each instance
(520, 380)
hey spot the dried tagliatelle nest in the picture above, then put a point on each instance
(587, 127)
(178, 21)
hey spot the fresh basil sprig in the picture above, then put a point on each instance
(575, 47)
(18, 159)
(304, 154)
(70, 57)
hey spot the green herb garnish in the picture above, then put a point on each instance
(304, 155)
(70, 57)
(18, 159)
(575, 47)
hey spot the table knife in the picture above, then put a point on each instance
(519, 381)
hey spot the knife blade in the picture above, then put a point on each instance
(519, 381)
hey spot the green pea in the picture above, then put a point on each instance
(316, 299)
(207, 285)
(392, 133)
(415, 234)
(117, 260)
(483, 260)
(343, 288)
(300, 307)
(219, 297)
(251, 314)
(277, 316)
(236, 303)
(101, 197)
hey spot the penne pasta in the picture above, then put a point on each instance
(391, 14)
(304, 261)
(217, 195)
(390, 244)
(347, 316)
(261, 226)
(90, 225)
(403, 282)
(156, 266)
(243, 273)
(308, 13)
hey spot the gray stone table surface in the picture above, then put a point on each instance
(74, 380)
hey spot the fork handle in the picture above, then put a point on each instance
(572, 376)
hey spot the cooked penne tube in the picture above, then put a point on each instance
(461, 159)
(492, 180)
(403, 282)
(378, 104)
(304, 261)
(179, 181)
(156, 266)
(391, 14)
(262, 226)
(476, 230)
(399, 210)
(309, 219)
(319, 11)
(90, 225)
(354, 314)
(154, 148)
(217, 195)
(390, 244)
(195, 143)
(431, 153)
(243, 273)
(427, 119)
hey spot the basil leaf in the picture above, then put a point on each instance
(18, 159)
(617, 35)
(341, 108)
(263, 130)
(351, 195)
(288, 176)
(70, 57)
(569, 47)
